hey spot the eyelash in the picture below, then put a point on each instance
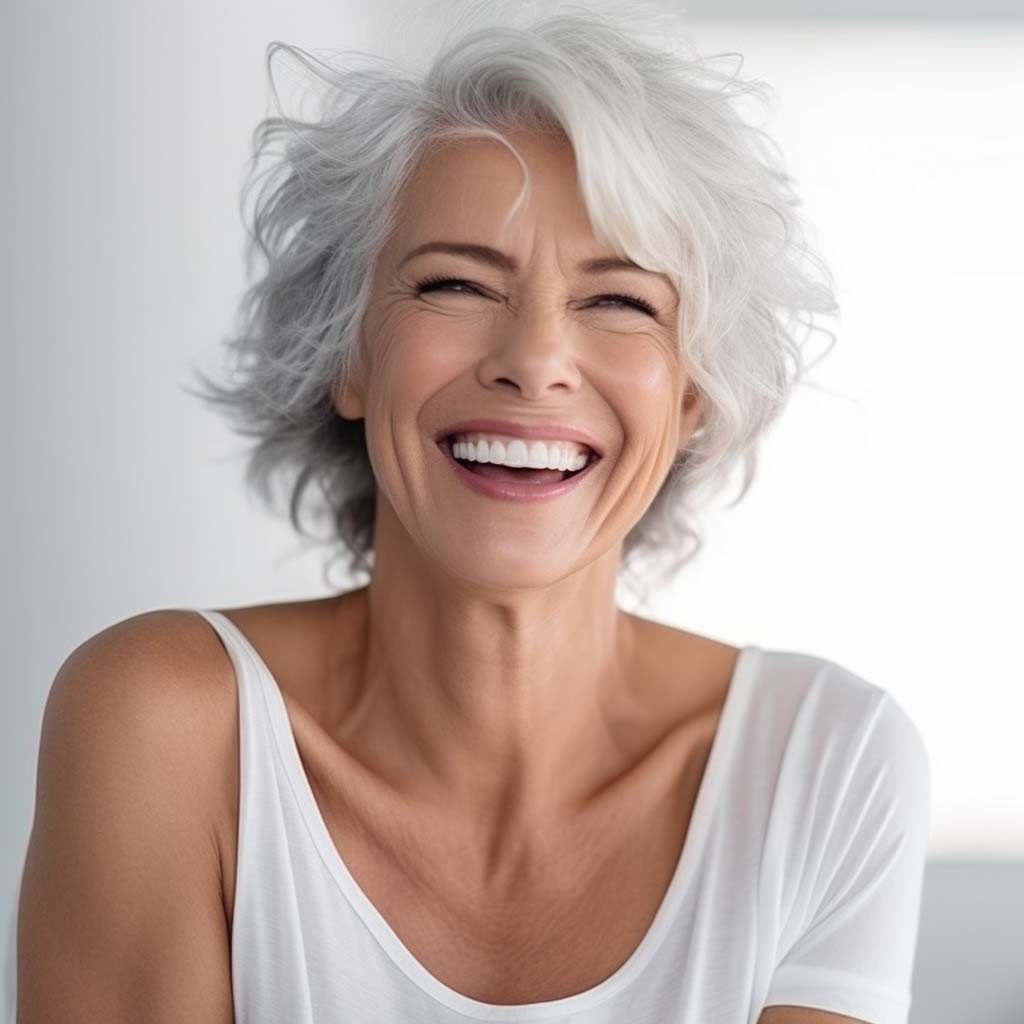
(431, 282)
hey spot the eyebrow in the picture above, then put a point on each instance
(498, 259)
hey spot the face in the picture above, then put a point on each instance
(539, 340)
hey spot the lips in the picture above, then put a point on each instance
(526, 472)
(514, 489)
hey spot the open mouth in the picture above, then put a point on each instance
(522, 474)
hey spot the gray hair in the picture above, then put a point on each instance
(703, 197)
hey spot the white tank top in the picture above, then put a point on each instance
(798, 884)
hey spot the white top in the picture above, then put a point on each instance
(799, 881)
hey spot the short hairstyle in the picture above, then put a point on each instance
(671, 174)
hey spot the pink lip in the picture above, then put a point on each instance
(509, 490)
(533, 431)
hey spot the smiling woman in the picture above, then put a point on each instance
(521, 314)
(688, 229)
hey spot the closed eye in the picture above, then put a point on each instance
(433, 284)
(632, 300)
(445, 283)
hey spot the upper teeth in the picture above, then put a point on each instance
(511, 451)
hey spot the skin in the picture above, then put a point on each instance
(497, 662)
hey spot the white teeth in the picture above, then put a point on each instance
(515, 453)
(538, 457)
(515, 456)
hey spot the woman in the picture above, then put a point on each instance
(517, 313)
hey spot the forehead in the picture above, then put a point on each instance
(466, 187)
(462, 192)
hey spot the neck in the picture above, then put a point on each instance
(487, 698)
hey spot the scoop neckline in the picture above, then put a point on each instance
(696, 835)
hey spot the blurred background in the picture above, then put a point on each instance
(883, 530)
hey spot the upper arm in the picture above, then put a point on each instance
(120, 916)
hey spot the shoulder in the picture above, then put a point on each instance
(841, 738)
(146, 705)
(682, 674)
(816, 692)
(155, 670)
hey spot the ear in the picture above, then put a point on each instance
(693, 407)
(348, 401)
(348, 395)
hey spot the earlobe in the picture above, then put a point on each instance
(348, 401)
(692, 408)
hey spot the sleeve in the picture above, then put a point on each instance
(856, 925)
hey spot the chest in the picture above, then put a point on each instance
(544, 932)
(546, 924)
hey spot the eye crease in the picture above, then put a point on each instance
(436, 283)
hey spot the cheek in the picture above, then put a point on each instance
(650, 370)
(419, 363)
(646, 383)
(644, 386)
(407, 371)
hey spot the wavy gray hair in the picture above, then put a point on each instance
(702, 196)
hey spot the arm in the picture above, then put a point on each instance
(802, 1015)
(121, 916)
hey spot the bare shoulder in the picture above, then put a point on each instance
(150, 693)
(166, 675)
(121, 890)
(160, 686)
(683, 643)
(167, 657)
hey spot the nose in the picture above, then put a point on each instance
(534, 355)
